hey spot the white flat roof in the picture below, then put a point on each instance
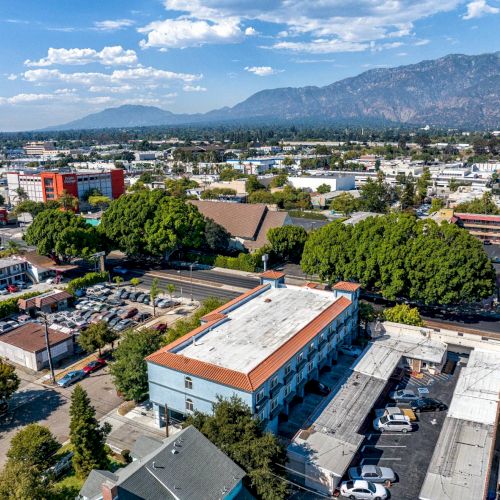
(256, 329)
(477, 391)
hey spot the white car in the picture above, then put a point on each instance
(404, 395)
(361, 490)
(50, 281)
(393, 423)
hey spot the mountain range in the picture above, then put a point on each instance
(456, 90)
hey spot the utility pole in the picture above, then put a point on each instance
(47, 344)
(191, 278)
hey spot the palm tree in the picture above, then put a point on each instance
(68, 201)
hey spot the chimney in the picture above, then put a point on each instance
(109, 490)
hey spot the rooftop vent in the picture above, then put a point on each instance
(174, 451)
(267, 300)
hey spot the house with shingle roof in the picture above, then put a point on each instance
(262, 346)
(247, 223)
(185, 466)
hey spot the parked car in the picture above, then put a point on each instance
(486, 242)
(163, 303)
(372, 473)
(146, 300)
(114, 322)
(396, 410)
(317, 388)
(94, 365)
(129, 313)
(427, 404)
(123, 325)
(393, 423)
(161, 327)
(50, 281)
(404, 395)
(119, 270)
(71, 378)
(125, 294)
(12, 288)
(4, 291)
(5, 327)
(109, 316)
(143, 316)
(140, 297)
(362, 490)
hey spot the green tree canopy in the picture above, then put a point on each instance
(288, 242)
(9, 381)
(33, 446)
(234, 430)
(375, 196)
(35, 207)
(20, 482)
(87, 437)
(403, 313)
(484, 205)
(63, 235)
(436, 205)
(262, 196)
(400, 256)
(152, 223)
(344, 203)
(129, 370)
(96, 336)
(253, 184)
(324, 188)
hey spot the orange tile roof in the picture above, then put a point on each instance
(256, 377)
(213, 316)
(347, 286)
(311, 284)
(272, 275)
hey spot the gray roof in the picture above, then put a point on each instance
(144, 446)
(186, 466)
(92, 487)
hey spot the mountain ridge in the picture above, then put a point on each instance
(455, 90)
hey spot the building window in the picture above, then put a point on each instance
(300, 376)
(189, 405)
(288, 389)
(262, 415)
(260, 396)
(311, 346)
(288, 369)
(274, 382)
(310, 366)
(300, 357)
(274, 403)
(188, 382)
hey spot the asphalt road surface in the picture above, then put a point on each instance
(216, 277)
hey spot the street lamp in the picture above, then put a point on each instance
(191, 278)
(47, 344)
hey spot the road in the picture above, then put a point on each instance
(217, 277)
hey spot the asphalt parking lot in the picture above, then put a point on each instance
(409, 454)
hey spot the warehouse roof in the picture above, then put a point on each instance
(31, 337)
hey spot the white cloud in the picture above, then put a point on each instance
(325, 26)
(113, 24)
(12, 76)
(263, 70)
(25, 98)
(251, 31)
(108, 56)
(424, 41)
(181, 33)
(479, 8)
(321, 46)
(147, 75)
(194, 88)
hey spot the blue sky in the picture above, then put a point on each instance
(63, 59)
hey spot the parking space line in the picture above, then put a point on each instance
(369, 436)
(377, 460)
(382, 446)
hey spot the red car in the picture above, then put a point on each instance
(93, 366)
(12, 288)
(160, 327)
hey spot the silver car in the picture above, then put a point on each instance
(372, 473)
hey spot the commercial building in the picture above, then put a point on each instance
(26, 346)
(462, 460)
(50, 185)
(12, 270)
(336, 182)
(248, 224)
(48, 302)
(185, 466)
(262, 346)
(324, 448)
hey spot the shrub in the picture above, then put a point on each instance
(10, 306)
(244, 262)
(88, 280)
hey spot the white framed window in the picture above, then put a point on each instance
(310, 366)
(262, 415)
(288, 389)
(188, 382)
(300, 376)
(259, 396)
(274, 403)
(274, 382)
(288, 369)
(189, 405)
(300, 357)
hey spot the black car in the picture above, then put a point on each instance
(427, 404)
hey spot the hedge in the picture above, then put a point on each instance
(244, 262)
(88, 280)
(10, 306)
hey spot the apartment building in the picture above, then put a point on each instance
(263, 347)
(12, 270)
(49, 185)
(484, 227)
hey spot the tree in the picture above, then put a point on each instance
(22, 195)
(407, 199)
(436, 205)
(63, 235)
(9, 382)
(35, 207)
(400, 256)
(118, 279)
(33, 446)
(280, 180)
(154, 291)
(129, 370)
(422, 140)
(253, 184)
(87, 437)
(215, 193)
(170, 289)
(288, 242)
(216, 236)
(135, 282)
(68, 201)
(18, 481)
(323, 188)
(288, 161)
(483, 205)
(366, 314)
(99, 201)
(345, 203)
(423, 183)
(375, 196)
(403, 313)
(262, 196)
(234, 430)
(96, 336)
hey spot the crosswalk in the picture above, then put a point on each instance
(427, 380)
